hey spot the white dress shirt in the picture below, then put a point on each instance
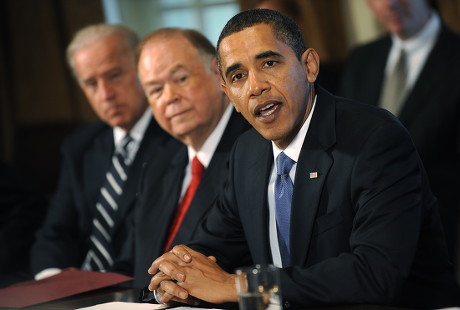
(417, 49)
(207, 150)
(293, 151)
(136, 133)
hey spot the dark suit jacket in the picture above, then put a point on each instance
(158, 204)
(431, 113)
(63, 240)
(366, 230)
(22, 209)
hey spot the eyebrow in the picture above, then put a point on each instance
(262, 55)
(232, 68)
(267, 54)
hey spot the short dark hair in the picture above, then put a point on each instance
(285, 29)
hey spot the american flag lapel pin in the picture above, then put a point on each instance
(313, 175)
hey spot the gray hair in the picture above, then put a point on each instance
(93, 33)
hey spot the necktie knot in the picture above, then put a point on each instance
(401, 64)
(197, 167)
(283, 164)
(127, 139)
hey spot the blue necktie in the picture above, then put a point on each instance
(283, 198)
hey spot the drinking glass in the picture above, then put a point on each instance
(258, 287)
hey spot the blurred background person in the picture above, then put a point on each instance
(178, 70)
(86, 225)
(22, 209)
(414, 72)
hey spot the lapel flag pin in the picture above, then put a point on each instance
(313, 175)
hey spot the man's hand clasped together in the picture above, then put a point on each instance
(182, 274)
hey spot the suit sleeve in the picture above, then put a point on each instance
(222, 234)
(58, 241)
(22, 208)
(387, 198)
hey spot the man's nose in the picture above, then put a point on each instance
(170, 92)
(257, 84)
(106, 91)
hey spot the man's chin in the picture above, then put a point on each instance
(119, 122)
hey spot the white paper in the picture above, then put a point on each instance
(118, 305)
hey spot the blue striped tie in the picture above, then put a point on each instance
(283, 199)
(99, 256)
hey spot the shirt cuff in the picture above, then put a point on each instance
(47, 273)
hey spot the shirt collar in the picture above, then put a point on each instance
(209, 146)
(294, 148)
(138, 130)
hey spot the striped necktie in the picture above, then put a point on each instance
(99, 256)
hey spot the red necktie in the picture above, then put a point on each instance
(197, 173)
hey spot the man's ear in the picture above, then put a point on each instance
(310, 61)
(225, 90)
(215, 67)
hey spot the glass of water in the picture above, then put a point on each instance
(258, 287)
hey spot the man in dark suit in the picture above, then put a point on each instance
(87, 222)
(361, 225)
(429, 105)
(178, 70)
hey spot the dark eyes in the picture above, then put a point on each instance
(155, 90)
(270, 63)
(114, 75)
(266, 64)
(237, 76)
(91, 84)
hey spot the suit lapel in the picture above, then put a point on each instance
(151, 144)
(256, 179)
(375, 81)
(312, 168)
(96, 162)
(164, 213)
(427, 81)
(204, 197)
(213, 179)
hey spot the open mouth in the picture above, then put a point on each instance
(267, 109)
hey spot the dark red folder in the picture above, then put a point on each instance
(67, 283)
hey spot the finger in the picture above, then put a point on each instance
(171, 288)
(170, 267)
(154, 267)
(168, 298)
(156, 280)
(169, 257)
(172, 270)
(212, 258)
(182, 252)
(162, 297)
